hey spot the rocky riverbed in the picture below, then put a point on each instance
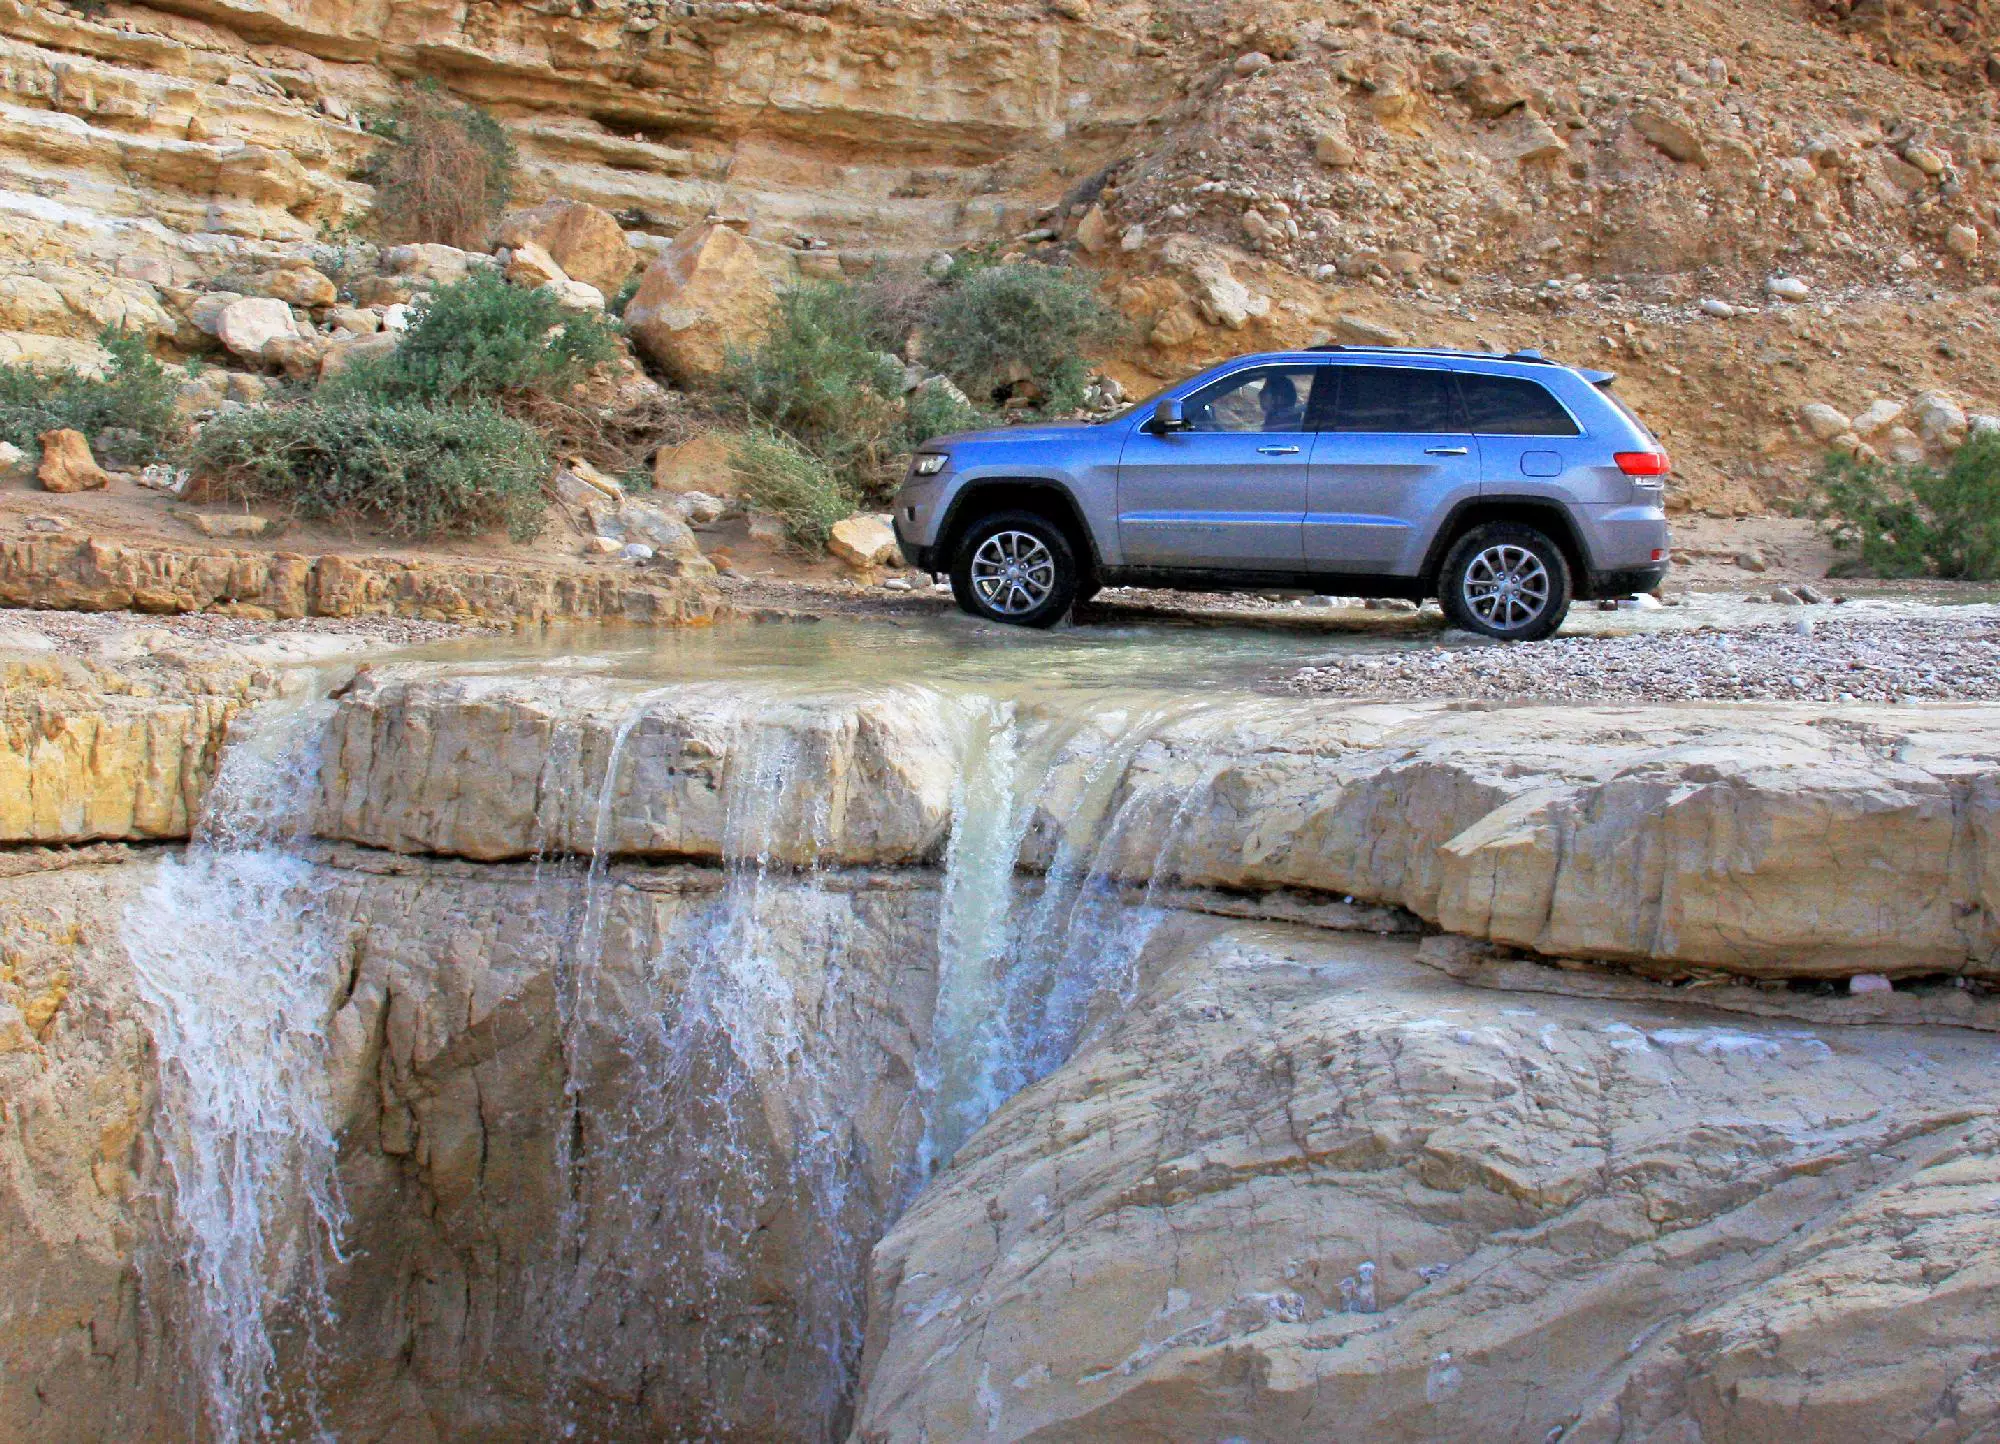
(1854, 655)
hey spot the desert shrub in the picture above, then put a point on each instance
(819, 377)
(780, 476)
(482, 339)
(1006, 323)
(1915, 521)
(411, 469)
(135, 394)
(933, 410)
(444, 173)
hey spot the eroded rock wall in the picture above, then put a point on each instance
(1306, 1189)
(536, 1185)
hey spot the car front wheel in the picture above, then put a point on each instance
(1015, 567)
(1507, 581)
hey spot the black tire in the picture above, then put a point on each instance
(1042, 585)
(1506, 580)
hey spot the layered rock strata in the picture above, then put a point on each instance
(1672, 839)
(94, 574)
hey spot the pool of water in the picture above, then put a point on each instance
(1184, 658)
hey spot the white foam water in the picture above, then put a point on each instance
(240, 977)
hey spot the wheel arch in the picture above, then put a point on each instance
(1039, 495)
(1547, 516)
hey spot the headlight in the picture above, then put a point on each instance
(929, 464)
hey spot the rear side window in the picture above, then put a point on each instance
(1397, 399)
(1513, 406)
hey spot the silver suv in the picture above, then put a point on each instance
(1504, 486)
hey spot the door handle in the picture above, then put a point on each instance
(1444, 451)
(1277, 451)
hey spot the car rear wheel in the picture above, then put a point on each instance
(1506, 580)
(1015, 567)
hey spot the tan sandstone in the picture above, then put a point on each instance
(707, 293)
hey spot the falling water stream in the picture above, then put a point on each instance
(703, 1042)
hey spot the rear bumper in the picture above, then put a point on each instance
(1627, 581)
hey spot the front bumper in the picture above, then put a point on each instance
(914, 554)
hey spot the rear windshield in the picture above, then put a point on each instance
(1627, 412)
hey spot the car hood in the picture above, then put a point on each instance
(1047, 431)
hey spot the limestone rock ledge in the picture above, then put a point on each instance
(496, 768)
(1307, 1189)
(96, 575)
(93, 751)
(1774, 840)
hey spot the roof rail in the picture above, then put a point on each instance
(1534, 357)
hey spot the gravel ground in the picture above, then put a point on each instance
(77, 634)
(1853, 658)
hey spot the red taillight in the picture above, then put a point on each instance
(1642, 463)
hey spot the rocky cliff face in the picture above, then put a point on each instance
(639, 1013)
(1621, 187)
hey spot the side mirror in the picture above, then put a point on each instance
(1169, 418)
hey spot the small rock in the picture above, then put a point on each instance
(1924, 159)
(229, 524)
(1719, 309)
(575, 295)
(396, 317)
(359, 319)
(636, 552)
(1823, 421)
(528, 266)
(864, 541)
(298, 285)
(1876, 415)
(1869, 983)
(768, 529)
(665, 532)
(1940, 420)
(1334, 150)
(1751, 561)
(67, 464)
(1093, 232)
(1359, 331)
(895, 584)
(1672, 136)
(1133, 239)
(1811, 595)
(47, 523)
(13, 460)
(602, 546)
(1962, 241)
(700, 508)
(1251, 63)
(1787, 288)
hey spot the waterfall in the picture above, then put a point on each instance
(239, 978)
(724, 1021)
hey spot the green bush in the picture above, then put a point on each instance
(1915, 521)
(445, 173)
(481, 339)
(782, 477)
(136, 394)
(415, 470)
(932, 410)
(1005, 323)
(819, 377)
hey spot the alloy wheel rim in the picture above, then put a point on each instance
(1013, 572)
(1507, 587)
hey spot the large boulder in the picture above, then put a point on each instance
(707, 293)
(67, 464)
(1308, 1189)
(864, 541)
(247, 326)
(585, 241)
